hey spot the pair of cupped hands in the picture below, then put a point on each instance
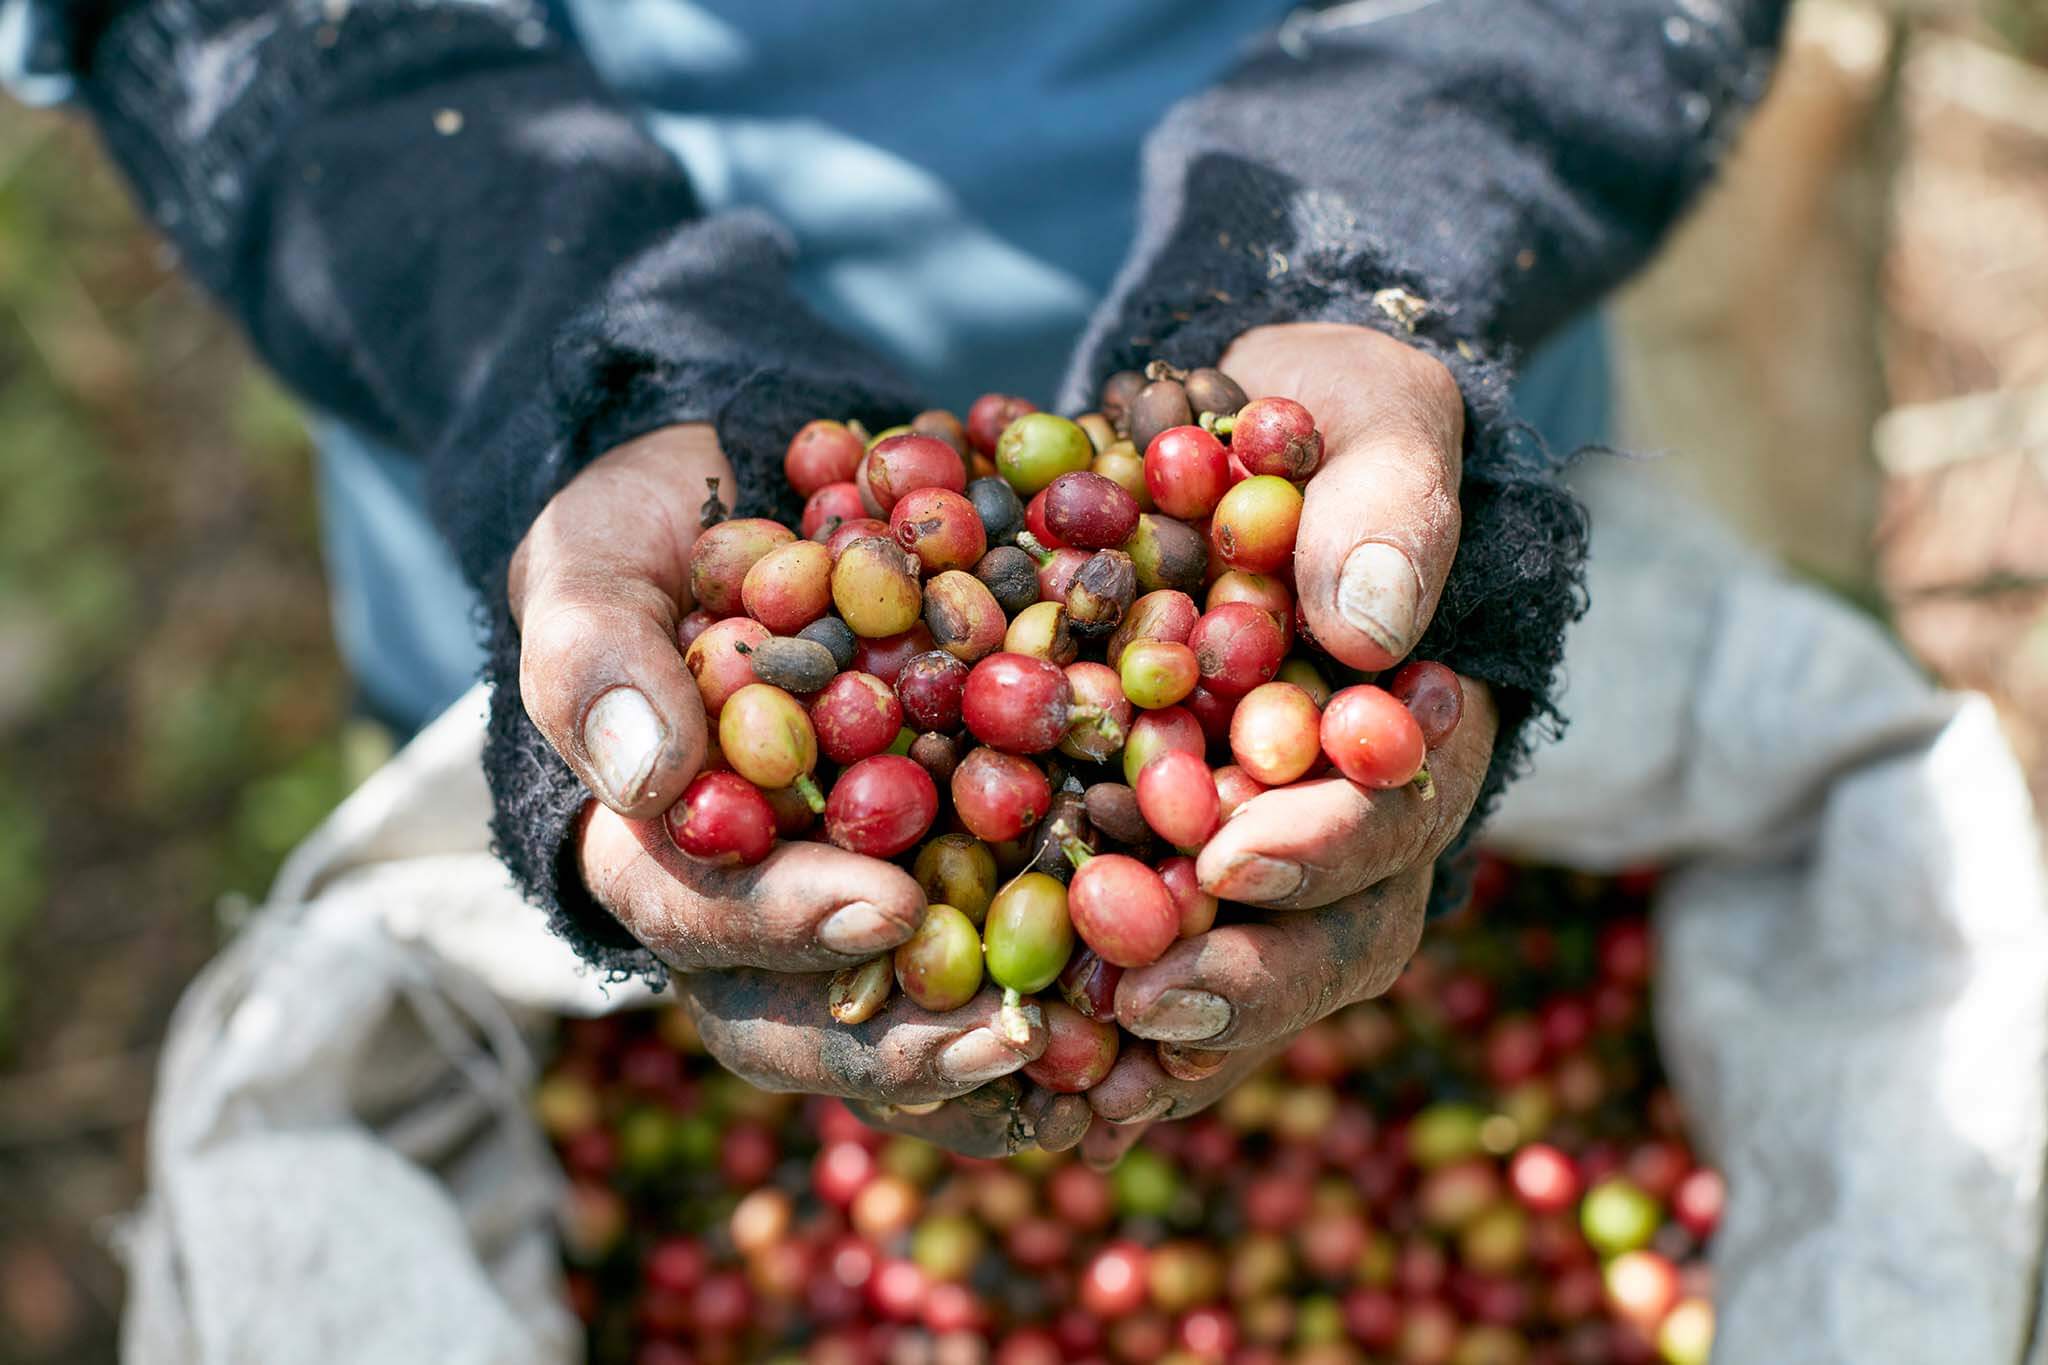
(1334, 877)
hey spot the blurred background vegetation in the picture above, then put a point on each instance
(1845, 350)
(172, 711)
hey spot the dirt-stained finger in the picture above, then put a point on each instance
(806, 907)
(774, 1030)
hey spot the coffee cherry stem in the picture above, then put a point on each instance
(1424, 784)
(1033, 546)
(808, 790)
(1099, 720)
(1077, 852)
(1218, 424)
(1017, 1017)
(1159, 369)
(714, 509)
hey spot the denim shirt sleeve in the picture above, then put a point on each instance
(33, 51)
(1467, 175)
(437, 223)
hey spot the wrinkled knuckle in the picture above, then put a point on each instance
(636, 598)
(603, 874)
(1443, 512)
(639, 909)
(850, 1065)
(1334, 861)
(551, 645)
(748, 1063)
(519, 573)
(1428, 418)
(771, 1081)
(1387, 968)
(629, 902)
(1226, 961)
(584, 609)
(556, 628)
(1434, 383)
(1341, 818)
(1387, 930)
(746, 930)
(1322, 994)
(1434, 391)
(1455, 796)
(1430, 487)
(1356, 947)
(897, 1067)
(670, 930)
(1408, 837)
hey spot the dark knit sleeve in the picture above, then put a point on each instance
(537, 800)
(435, 223)
(1466, 175)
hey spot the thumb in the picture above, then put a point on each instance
(597, 586)
(1379, 529)
(1379, 524)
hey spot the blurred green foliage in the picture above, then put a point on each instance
(2021, 23)
(172, 714)
(21, 886)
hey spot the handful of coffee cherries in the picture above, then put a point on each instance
(1485, 1166)
(1041, 660)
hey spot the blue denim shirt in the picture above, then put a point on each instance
(963, 241)
(32, 52)
(968, 249)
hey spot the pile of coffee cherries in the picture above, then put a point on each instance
(1484, 1168)
(1040, 661)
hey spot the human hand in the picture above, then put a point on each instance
(1379, 529)
(756, 949)
(598, 587)
(1218, 1005)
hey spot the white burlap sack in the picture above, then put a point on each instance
(1853, 1001)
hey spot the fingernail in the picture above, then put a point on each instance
(978, 1056)
(1257, 878)
(1064, 1123)
(860, 930)
(1379, 593)
(623, 737)
(1183, 1016)
(1190, 1063)
(1155, 1108)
